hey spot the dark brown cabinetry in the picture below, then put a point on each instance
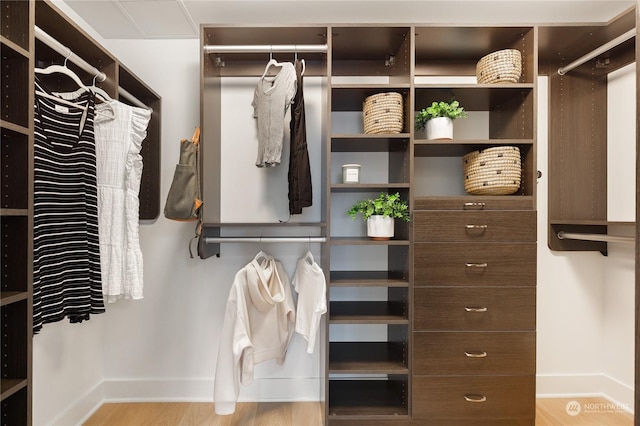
(368, 379)
(474, 257)
(16, 208)
(451, 297)
(578, 188)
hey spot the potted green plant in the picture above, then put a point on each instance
(438, 118)
(380, 214)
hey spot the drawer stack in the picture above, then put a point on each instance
(474, 315)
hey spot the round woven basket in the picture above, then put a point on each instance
(492, 171)
(503, 66)
(382, 113)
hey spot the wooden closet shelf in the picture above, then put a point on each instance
(368, 312)
(366, 358)
(367, 279)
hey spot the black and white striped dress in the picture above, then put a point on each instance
(67, 280)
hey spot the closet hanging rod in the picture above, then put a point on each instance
(267, 48)
(125, 94)
(600, 50)
(595, 237)
(68, 54)
(213, 240)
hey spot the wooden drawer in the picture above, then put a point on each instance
(480, 226)
(477, 353)
(474, 309)
(475, 264)
(477, 397)
(474, 203)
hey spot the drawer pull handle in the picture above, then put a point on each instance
(476, 309)
(475, 398)
(483, 227)
(480, 206)
(475, 354)
(476, 265)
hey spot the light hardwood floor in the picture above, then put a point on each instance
(549, 412)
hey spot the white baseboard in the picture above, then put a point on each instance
(588, 385)
(196, 390)
(82, 409)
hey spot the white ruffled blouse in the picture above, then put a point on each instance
(119, 132)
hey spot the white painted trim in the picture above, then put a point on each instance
(586, 385)
(78, 412)
(184, 390)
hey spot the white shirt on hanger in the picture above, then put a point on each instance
(310, 284)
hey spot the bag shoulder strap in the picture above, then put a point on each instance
(195, 139)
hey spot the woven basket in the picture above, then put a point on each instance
(503, 66)
(492, 171)
(382, 113)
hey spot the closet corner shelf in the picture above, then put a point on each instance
(7, 125)
(337, 136)
(367, 312)
(11, 386)
(263, 224)
(460, 147)
(14, 212)
(354, 241)
(367, 279)
(365, 358)
(490, 86)
(367, 187)
(578, 222)
(13, 46)
(9, 297)
(373, 87)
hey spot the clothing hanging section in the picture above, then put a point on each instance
(87, 172)
(69, 55)
(261, 319)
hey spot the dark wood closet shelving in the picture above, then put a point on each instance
(368, 279)
(367, 358)
(577, 152)
(382, 387)
(355, 241)
(374, 312)
(21, 53)
(368, 400)
(16, 210)
(52, 21)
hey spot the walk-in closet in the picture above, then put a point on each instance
(500, 295)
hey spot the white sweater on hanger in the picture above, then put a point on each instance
(258, 325)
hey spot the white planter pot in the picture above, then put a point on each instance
(380, 227)
(440, 128)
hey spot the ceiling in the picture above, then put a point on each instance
(170, 19)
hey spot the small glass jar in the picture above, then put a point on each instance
(351, 173)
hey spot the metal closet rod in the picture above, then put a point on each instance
(213, 240)
(600, 50)
(267, 48)
(594, 237)
(68, 54)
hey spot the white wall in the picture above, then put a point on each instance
(164, 347)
